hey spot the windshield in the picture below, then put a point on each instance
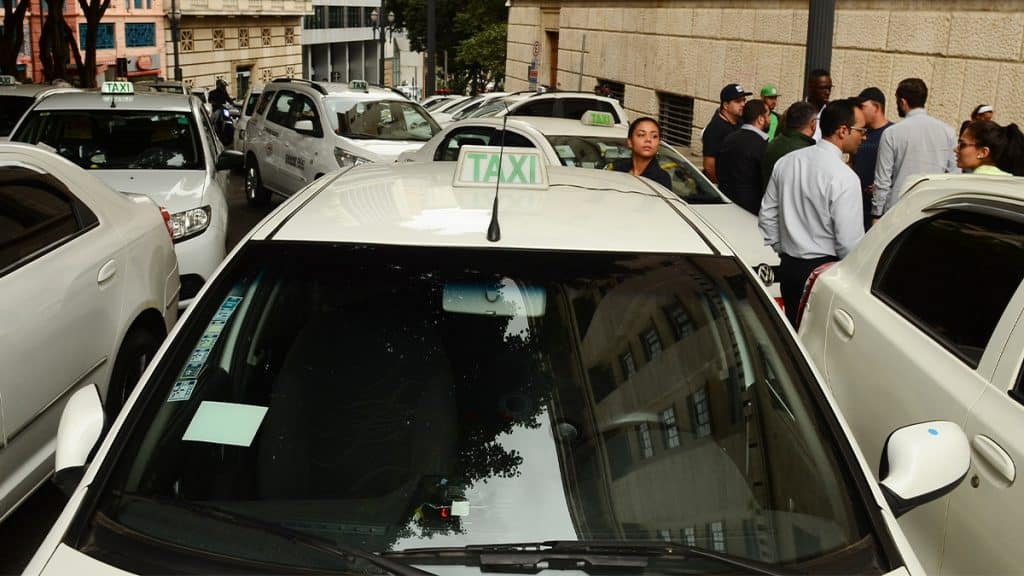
(602, 151)
(389, 398)
(117, 139)
(11, 110)
(380, 119)
(489, 109)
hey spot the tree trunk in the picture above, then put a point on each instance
(13, 35)
(88, 70)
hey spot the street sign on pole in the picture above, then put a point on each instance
(536, 50)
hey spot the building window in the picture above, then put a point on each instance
(149, 4)
(717, 533)
(138, 4)
(628, 365)
(682, 324)
(335, 17)
(700, 411)
(675, 114)
(643, 431)
(186, 41)
(669, 425)
(243, 37)
(104, 36)
(690, 536)
(353, 17)
(139, 34)
(289, 35)
(618, 89)
(265, 36)
(218, 38)
(652, 343)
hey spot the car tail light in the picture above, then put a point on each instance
(808, 286)
(780, 303)
(167, 222)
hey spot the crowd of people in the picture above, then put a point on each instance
(825, 171)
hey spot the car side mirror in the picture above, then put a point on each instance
(923, 462)
(230, 160)
(305, 127)
(80, 429)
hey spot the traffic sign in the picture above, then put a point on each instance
(536, 49)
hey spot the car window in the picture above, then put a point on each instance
(36, 214)
(12, 108)
(261, 106)
(379, 119)
(515, 140)
(250, 104)
(571, 108)
(389, 397)
(952, 275)
(305, 109)
(212, 142)
(118, 139)
(280, 110)
(448, 150)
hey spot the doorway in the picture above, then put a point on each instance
(553, 59)
(243, 79)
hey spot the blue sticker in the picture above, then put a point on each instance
(933, 431)
(192, 369)
(182, 390)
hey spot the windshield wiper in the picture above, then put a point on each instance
(328, 547)
(360, 136)
(590, 556)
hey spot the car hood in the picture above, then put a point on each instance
(739, 228)
(175, 190)
(384, 150)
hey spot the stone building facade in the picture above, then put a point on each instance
(673, 56)
(241, 41)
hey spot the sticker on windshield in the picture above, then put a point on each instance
(225, 423)
(182, 390)
(192, 369)
(460, 508)
(565, 151)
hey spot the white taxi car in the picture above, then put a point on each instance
(923, 320)
(16, 98)
(88, 289)
(466, 107)
(395, 373)
(302, 130)
(595, 140)
(570, 105)
(157, 144)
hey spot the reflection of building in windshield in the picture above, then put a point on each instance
(677, 443)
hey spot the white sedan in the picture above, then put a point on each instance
(395, 374)
(923, 320)
(88, 289)
(586, 143)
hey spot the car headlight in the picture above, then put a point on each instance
(346, 158)
(189, 223)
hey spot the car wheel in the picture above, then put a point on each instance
(255, 193)
(136, 352)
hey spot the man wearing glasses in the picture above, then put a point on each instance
(812, 211)
(919, 144)
(819, 89)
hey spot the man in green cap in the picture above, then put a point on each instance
(770, 96)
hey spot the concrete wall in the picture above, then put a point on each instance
(968, 51)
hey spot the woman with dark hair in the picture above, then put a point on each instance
(985, 147)
(644, 139)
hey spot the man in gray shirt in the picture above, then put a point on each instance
(812, 211)
(918, 145)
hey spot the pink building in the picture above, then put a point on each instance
(131, 29)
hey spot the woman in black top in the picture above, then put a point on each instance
(643, 139)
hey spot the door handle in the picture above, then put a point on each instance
(843, 323)
(107, 271)
(995, 456)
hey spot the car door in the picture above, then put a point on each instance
(914, 336)
(61, 278)
(303, 136)
(986, 513)
(274, 141)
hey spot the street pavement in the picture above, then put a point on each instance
(23, 531)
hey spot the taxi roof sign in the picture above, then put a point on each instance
(597, 118)
(118, 88)
(358, 85)
(516, 167)
(6, 80)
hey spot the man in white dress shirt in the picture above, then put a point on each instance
(812, 212)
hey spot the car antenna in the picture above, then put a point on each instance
(494, 229)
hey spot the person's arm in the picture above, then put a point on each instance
(709, 168)
(883, 174)
(847, 214)
(768, 217)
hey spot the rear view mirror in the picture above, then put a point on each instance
(504, 297)
(80, 429)
(923, 462)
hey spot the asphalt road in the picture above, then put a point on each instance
(23, 531)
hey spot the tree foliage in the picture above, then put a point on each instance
(473, 33)
(13, 35)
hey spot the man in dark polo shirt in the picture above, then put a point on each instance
(800, 122)
(872, 104)
(739, 160)
(725, 121)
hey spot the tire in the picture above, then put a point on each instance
(255, 193)
(135, 354)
